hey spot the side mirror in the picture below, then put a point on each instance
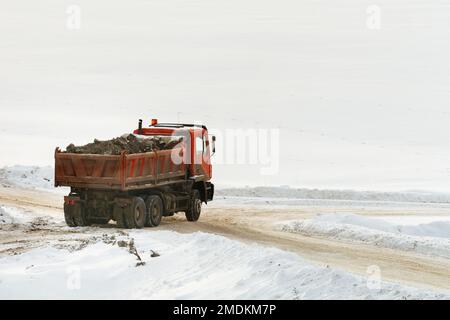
(213, 145)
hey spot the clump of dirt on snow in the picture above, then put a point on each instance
(76, 244)
(128, 142)
(132, 249)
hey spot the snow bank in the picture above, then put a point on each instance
(11, 215)
(189, 266)
(432, 229)
(317, 194)
(237, 201)
(430, 238)
(28, 176)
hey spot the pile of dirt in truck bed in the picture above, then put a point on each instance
(128, 142)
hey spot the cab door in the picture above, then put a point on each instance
(202, 155)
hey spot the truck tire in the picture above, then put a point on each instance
(134, 214)
(75, 215)
(154, 211)
(68, 216)
(195, 207)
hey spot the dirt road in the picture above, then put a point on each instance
(257, 224)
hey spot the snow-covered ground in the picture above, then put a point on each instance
(147, 264)
(28, 176)
(356, 107)
(40, 257)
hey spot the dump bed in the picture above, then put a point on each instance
(118, 172)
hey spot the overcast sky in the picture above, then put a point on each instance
(357, 106)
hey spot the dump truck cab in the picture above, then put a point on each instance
(197, 146)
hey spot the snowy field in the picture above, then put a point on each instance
(357, 108)
(146, 264)
(40, 257)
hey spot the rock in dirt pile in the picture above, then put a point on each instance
(128, 142)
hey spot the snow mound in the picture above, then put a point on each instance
(430, 238)
(188, 266)
(28, 176)
(432, 229)
(11, 215)
(322, 194)
(237, 201)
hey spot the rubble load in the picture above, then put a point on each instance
(130, 143)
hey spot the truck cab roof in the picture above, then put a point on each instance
(167, 128)
(178, 125)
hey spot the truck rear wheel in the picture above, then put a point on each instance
(154, 211)
(75, 215)
(131, 216)
(195, 207)
(68, 215)
(135, 215)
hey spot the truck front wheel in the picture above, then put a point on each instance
(195, 207)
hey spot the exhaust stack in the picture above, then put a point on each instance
(140, 126)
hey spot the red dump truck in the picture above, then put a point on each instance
(137, 190)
